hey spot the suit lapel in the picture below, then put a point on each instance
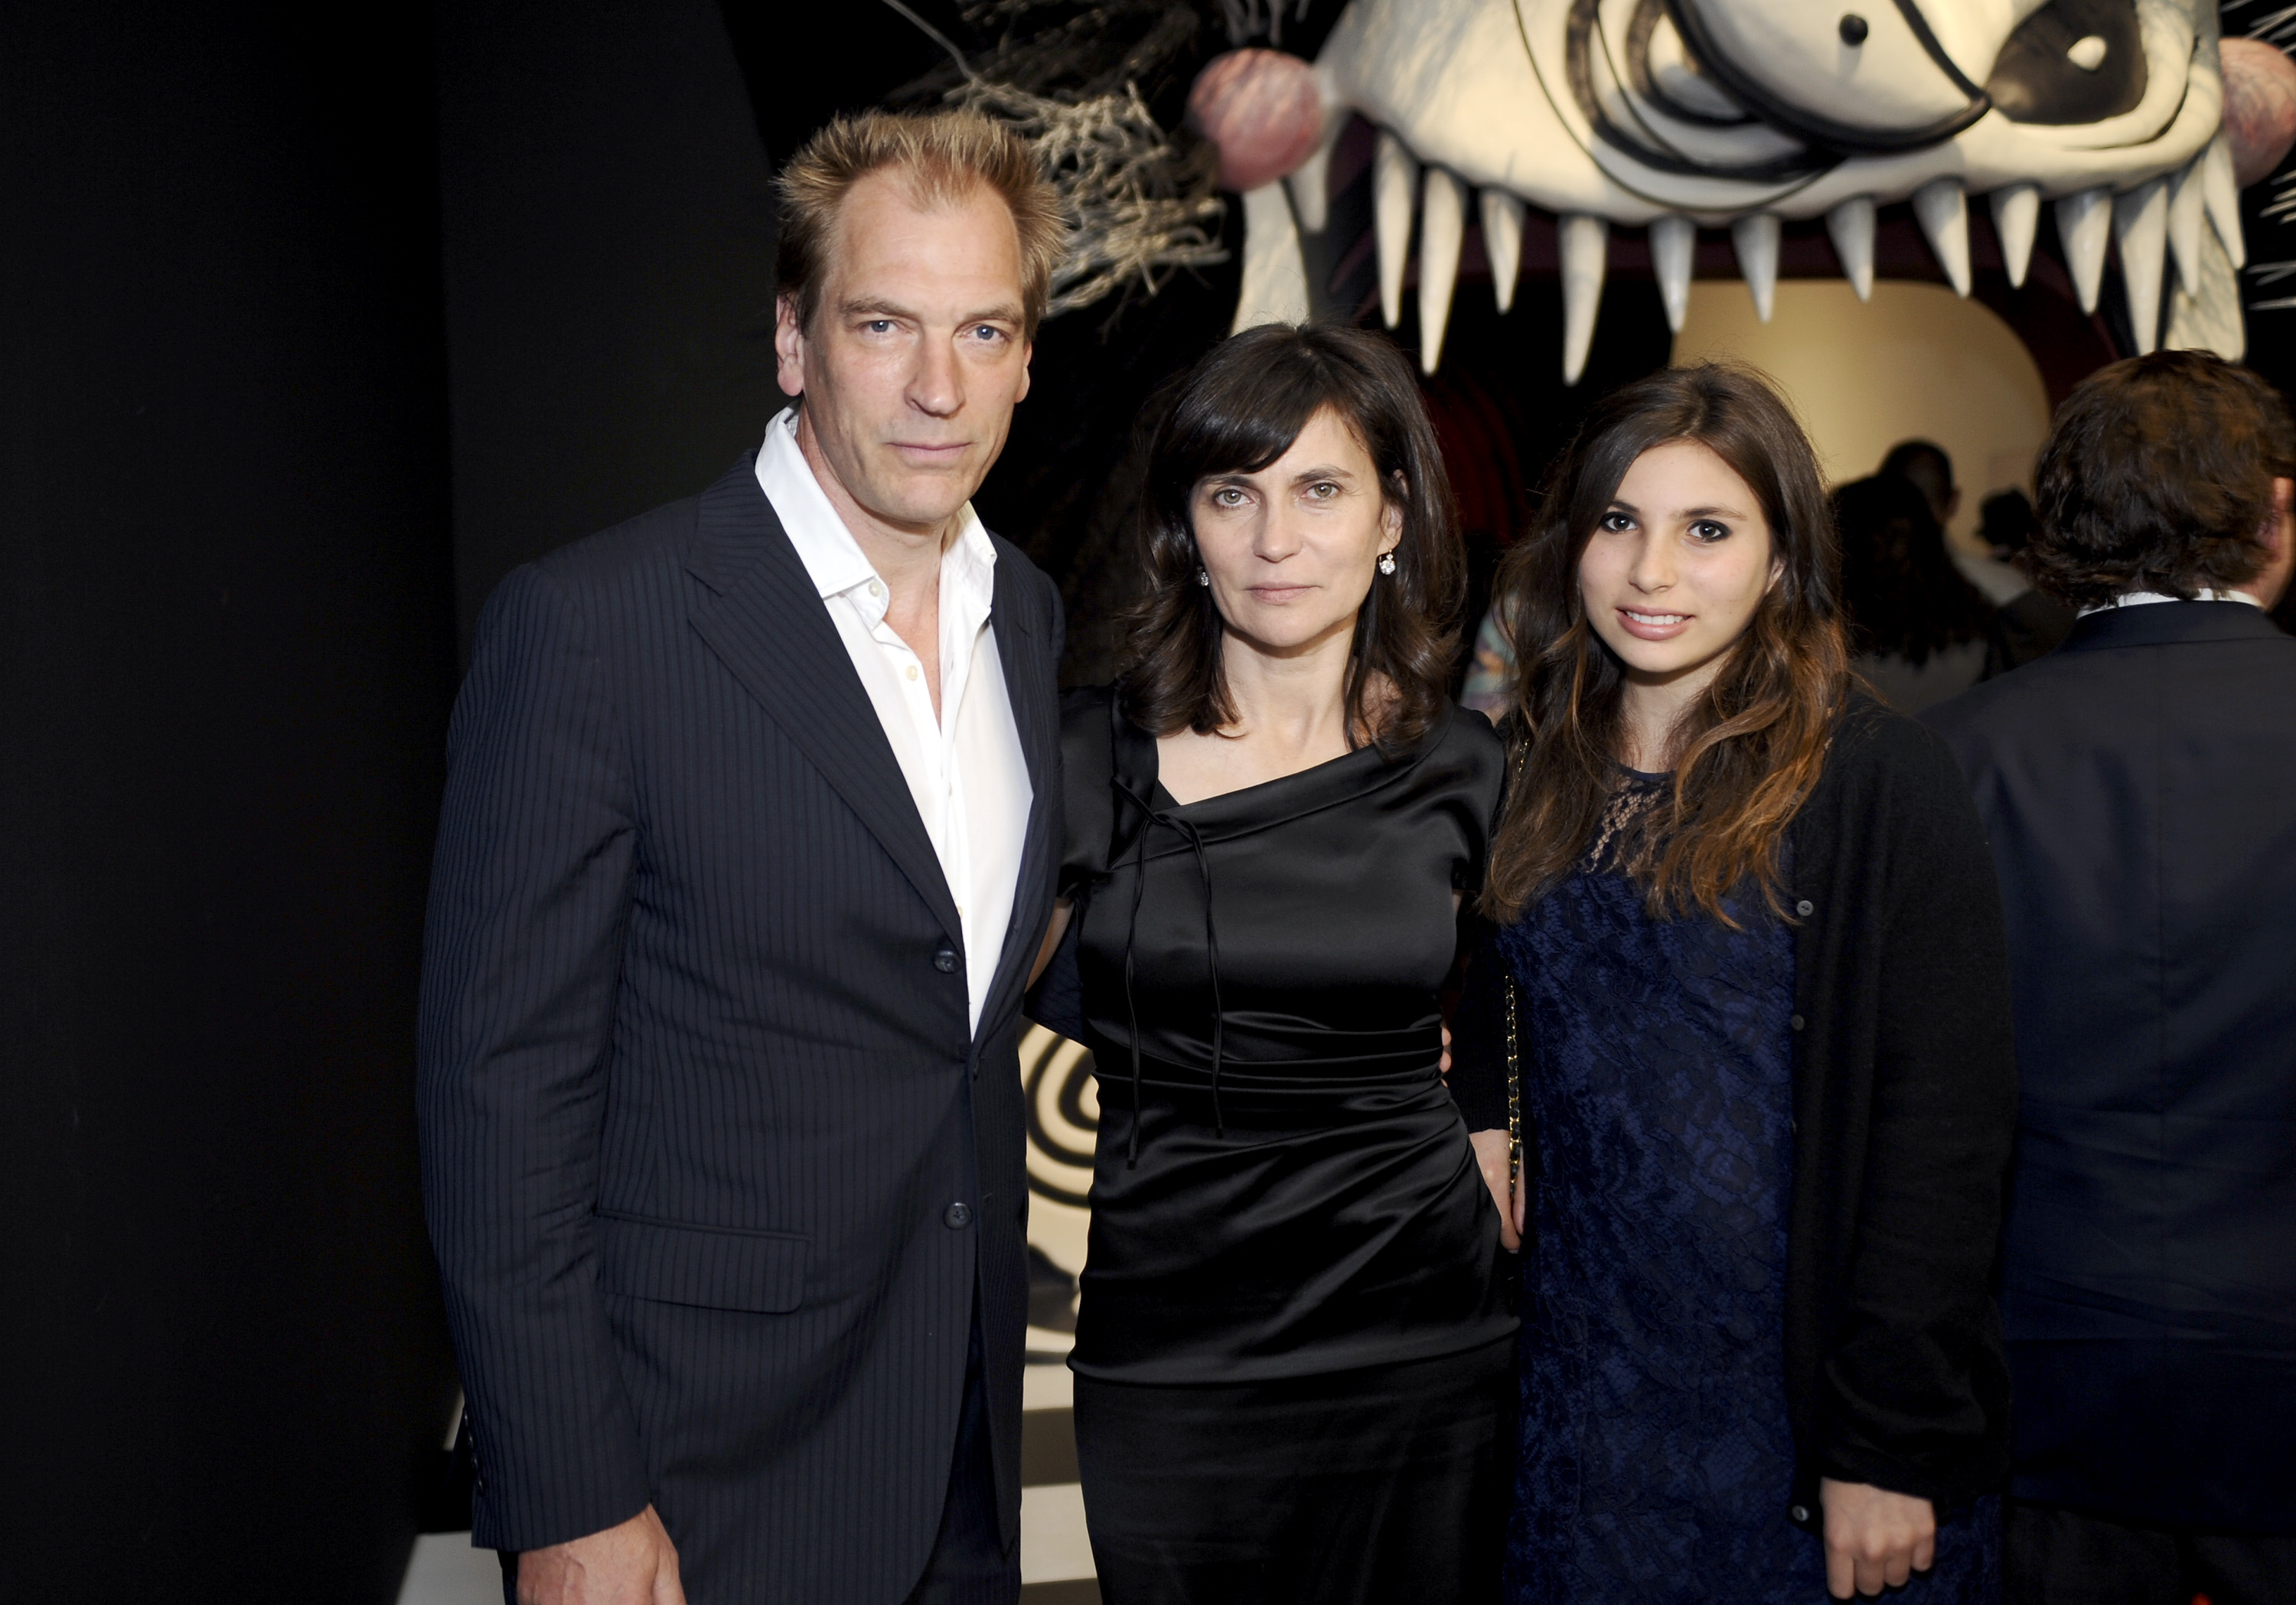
(768, 625)
(1021, 650)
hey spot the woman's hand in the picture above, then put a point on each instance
(1875, 1539)
(1491, 1158)
(1054, 931)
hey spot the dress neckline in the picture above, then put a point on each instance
(1257, 807)
(1157, 769)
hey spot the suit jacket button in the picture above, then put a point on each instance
(957, 1217)
(945, 959)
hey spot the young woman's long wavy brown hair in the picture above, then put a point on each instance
(1236, 411)
(1749, 751)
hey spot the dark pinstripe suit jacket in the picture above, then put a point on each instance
(697, 1086)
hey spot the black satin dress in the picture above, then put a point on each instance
(1293, 1349)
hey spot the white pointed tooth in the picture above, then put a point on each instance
(1584, 247)
(1755, 239)
(1673, 242)
(1503, 242)
(1443, 227)
(1310, 182)
(2221, 190)
(1851, 226)
(2188, 211)
(2140, 227)
(2084, 224)
(1275, 289)
(2016, 214)
(1942, 208)
(1394, 184)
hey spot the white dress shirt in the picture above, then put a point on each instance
(965, 769)
(2140, 598)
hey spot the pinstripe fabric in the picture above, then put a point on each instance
(695, 1096)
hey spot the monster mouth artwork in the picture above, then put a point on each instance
(1674, 115)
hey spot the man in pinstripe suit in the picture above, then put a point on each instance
(750, 835)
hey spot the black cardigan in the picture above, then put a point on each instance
(1905, 1103)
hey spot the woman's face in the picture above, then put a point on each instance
(1294, 549)
(1676, 568)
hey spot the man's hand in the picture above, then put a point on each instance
(1874, 1538)
(633, 1564)
(1491, 1160)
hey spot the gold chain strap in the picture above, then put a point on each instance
(1514, 1029)
(1514, 1091)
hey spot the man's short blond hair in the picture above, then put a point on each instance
(943, 158)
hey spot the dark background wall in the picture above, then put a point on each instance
(227, 650)
(608, 269)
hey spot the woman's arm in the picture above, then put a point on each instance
(1494, 1157)
(1054, 931)
(1915, 1372)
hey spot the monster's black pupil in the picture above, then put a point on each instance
(1853, 28)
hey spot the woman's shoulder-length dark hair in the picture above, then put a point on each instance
(1238, 410)
(1748, 752)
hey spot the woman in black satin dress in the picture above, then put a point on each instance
(1293, 1351)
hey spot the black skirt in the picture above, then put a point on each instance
(1356, 1488)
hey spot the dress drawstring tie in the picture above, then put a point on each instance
(1195, 840)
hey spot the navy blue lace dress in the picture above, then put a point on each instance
(1656, 1461)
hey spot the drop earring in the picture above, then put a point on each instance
(1203, 576)
(1386, 562)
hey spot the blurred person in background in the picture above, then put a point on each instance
(2135, 787)
(1919, 631)
(2032, 621)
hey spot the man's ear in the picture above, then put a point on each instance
(789, 347)
(1028, 356)
(2277, 538)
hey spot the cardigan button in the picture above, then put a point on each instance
(1800, 1512)
(1797, 1022)
(1805, 908)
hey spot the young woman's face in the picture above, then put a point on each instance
(1676, 568)
(1294, 549)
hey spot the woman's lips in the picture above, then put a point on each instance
(1652, 624)
(1280, 593)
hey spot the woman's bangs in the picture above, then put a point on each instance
(1243, 425)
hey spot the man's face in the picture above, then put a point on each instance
(915, 354)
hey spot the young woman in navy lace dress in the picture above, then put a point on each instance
(1748, 951)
